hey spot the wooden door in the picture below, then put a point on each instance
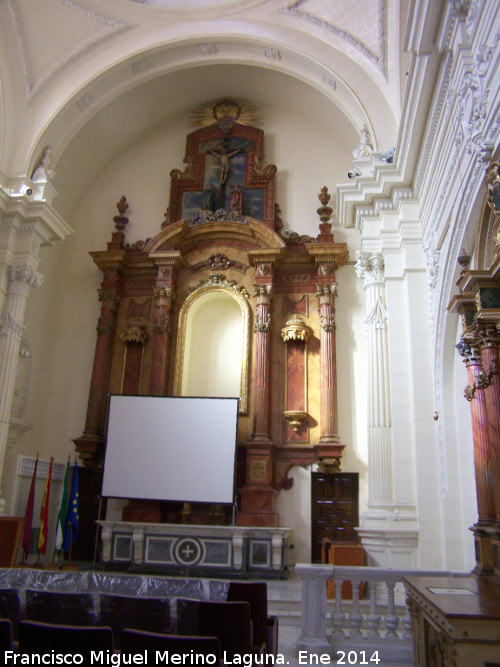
(334, 509)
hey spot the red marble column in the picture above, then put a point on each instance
(258, 495)
(262, 362)
(328, 364)
(91, 444)
(489, 343)
(163, 297)
(475, 394)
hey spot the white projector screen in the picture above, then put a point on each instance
(171, 448)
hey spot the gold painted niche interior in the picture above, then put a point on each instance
(213, 343)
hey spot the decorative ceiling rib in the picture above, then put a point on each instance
(40, 65)
(337, 18)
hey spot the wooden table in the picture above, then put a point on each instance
(455, 621)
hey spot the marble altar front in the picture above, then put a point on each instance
(191, 550)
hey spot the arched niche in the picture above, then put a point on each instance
(213, 344)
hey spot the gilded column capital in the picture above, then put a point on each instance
(264, 294)
(326, 293)
(469, 350)
(370, 267)
(488, 335)
(163, 296)
(109, 298)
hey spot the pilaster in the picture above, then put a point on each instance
(21, 279)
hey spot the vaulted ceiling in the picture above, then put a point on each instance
(108, 71)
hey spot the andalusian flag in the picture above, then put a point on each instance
(71, 530)
(44, 513)
(63, 512)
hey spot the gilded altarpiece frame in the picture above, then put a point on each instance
(271, 273)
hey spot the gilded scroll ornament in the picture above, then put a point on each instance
(260, 170)
(327, 322)
(262, 323)
(492, 180)
(295, 418)
(330, 465)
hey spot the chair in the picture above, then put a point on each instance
(10, 607)
(137, 613)
(36, 637)
(6, 638)
(265, 628)
(60, 608)
(136, 641)
(228, 621)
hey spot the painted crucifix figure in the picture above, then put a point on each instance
(223, 156)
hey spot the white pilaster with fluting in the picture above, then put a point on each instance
(21, 279)
(370, 267)
(27, 221)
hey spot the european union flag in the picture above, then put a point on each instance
(71, 531)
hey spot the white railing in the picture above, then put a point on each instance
(376, 625)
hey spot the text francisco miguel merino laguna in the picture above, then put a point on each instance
(147, 658)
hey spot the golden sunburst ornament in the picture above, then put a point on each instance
(225, 111)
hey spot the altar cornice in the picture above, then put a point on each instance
(327, 253)
(253, 233)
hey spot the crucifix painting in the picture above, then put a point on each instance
(225, 178)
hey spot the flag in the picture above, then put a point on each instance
(28, 515)
(71, 531)
(63, 512)
(44, 513)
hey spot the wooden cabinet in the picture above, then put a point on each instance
(334, 510)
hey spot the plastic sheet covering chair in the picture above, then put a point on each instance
(136, 641)
(6, 637)
(35, 637)
(265, 628)
(60, 608)
(132, 612)
(10, 607)
(228, 621)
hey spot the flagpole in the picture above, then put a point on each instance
(28, 516)
(69, 565)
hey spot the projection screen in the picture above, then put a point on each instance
(171, 448)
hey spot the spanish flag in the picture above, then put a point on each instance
(44, 513)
